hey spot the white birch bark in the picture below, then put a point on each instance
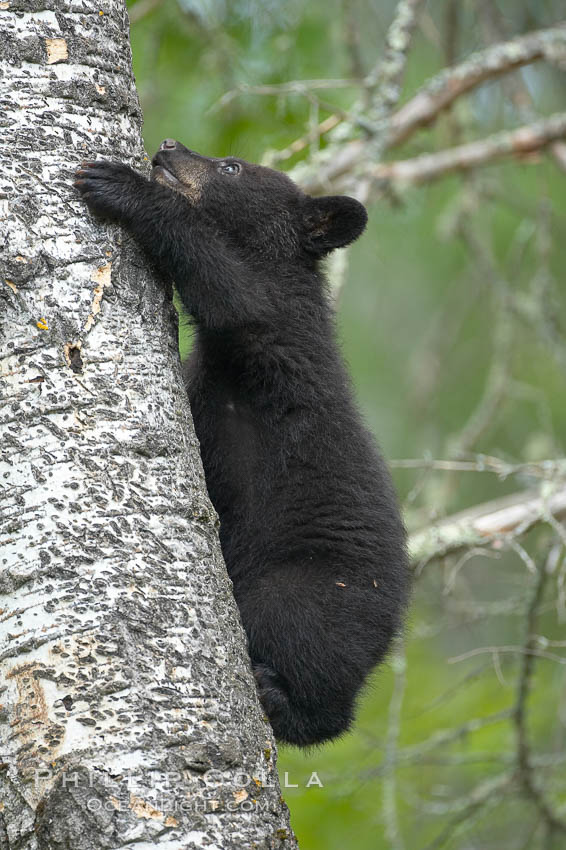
(128, 712)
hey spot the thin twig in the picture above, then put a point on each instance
(390, 813)
(486, 794)
(546, 469)
(272, 157)
(506, 650)
(496, 386)
(384, 81)
(299, 87)
(442, 737)
(529, 655)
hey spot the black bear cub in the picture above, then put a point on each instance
(310, 528)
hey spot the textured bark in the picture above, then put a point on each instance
(129, 715)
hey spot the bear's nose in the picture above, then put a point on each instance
(167, 144)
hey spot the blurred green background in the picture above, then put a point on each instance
(424, 331)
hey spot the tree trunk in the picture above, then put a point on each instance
(129, 715)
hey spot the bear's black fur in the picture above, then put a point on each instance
(310, 527)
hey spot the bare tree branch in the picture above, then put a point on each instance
(514, 86)
(547, 469)
(485, 794)
(383, 83)
(492, 523)
(526, 773)
(428, 167)
(441, 92)
(300, 87)
(488, 64)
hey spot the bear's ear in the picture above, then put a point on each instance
(332, 222)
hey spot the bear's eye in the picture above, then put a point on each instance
(231, 168)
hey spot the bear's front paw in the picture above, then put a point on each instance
(110, 189)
